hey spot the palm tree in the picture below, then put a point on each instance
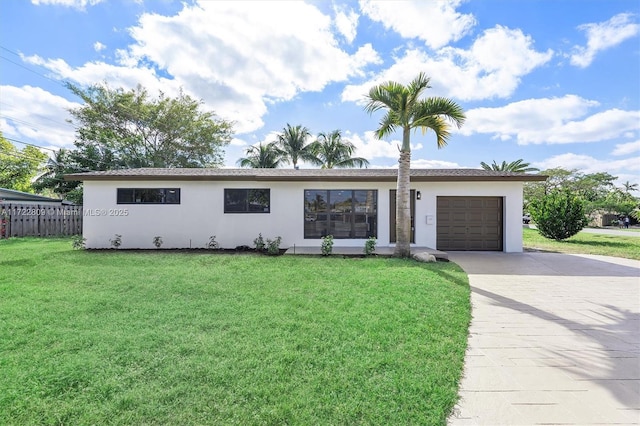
(293, 144)
(515, 166)
(332, 151)
(628, 186)
(262, 156)
(406, 111)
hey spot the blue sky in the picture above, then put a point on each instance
(556, 83)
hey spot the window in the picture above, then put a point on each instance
(247, 200)
(148, 195)
(341, 213)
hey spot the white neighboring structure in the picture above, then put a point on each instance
(453, 209)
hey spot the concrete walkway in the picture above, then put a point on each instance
(555, 339)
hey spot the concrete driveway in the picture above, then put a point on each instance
(555, 339)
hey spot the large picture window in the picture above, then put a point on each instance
(341, 213)
(148, 196)
(247, 200)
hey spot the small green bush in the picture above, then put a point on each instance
(273, 246)
(558, 215)
(157, 241)
(78, 242)
(212, 244)
(259, 243)
(370, 246)
(116, 242)
(327, 245)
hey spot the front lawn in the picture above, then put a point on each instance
(585, 243)
(183, 338)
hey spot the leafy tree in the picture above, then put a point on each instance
(18, 167)
(128, 129)
(64, 161)
(518, 166)
(267, 156)
(619, 202)
(334, 152)
(593, 188)
(293, 144)
(405, 110)
(559, 214)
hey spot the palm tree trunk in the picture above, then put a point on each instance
(403, 203)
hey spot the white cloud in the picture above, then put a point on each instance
(33, 114)
(347, 23)
(492, 67)
(627, 148)
(551, 121)
(437, 23)
(97, 46)
(236, 56)
(369, 147)
(602, 36)
(76, 4)
(248, 53)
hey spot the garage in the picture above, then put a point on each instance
(469, 223)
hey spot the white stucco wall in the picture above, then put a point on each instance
(200, 213)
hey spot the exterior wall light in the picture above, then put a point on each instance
(418, 195)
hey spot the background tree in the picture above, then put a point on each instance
(262, 156)
(559, 214)
(405, 111)
(129, 129)
(18, 167)
(518, 166)
(334, 152)
(294, 146)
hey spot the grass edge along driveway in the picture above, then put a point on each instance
(179, 338)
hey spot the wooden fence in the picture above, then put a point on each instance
(39, 220)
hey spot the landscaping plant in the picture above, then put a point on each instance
(116, 242)
(370, 246)
(327, 245)
(157, 241)
(78, 242)
(212, 244)
(273, 246)
(259, 243)
(558, 215)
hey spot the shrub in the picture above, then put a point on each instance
(259, 243)
(78, 242)
(558, 215)
(157, 241)
(212, 244)
(117, 241)
(370, 246)
(273, 246)
(327, 245)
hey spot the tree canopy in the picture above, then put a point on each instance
(518, 166)
(332, 151)
(18, 167)
(130, 129)
(262, 156)
(294, 144)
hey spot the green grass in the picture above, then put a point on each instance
(585, 243)
(181, 338)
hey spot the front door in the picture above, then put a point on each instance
(392, 215)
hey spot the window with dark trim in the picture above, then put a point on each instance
(238, 200)
(341, 213)
(148, 196)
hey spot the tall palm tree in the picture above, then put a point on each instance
(406, 111)
(628, 187)
(334, 152)
(262, 156)
(293, 144)
(517, 166)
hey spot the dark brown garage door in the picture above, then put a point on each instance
(469, 223)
